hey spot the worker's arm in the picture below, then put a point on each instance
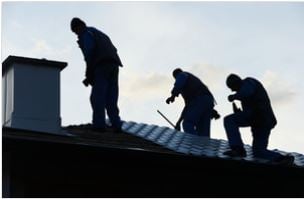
(247, 90)
(178, 86)
(87, 46)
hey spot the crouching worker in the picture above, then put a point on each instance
(256, 113)
(199, 103)
(102, 68)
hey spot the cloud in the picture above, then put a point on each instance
(37, 48)
(146, 87)
(213, 76)
(41, 46)
(17, 26)
(155, 85)
(280, 90)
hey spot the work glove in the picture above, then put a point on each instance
(231, 98)
(86, 82)
(215, 114)
(170, 99)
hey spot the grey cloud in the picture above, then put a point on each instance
(281, 91)
(146, 86)
(155, 84)
(211, 75)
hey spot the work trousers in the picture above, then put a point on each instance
(260, 135)
(197, 115)
(104, 97)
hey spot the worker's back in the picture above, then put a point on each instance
(105, 51)
(260, 105)
(193, 88)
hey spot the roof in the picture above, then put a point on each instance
(116, 140)
(16, 59)
(153, 138)
(189, 144)
(80, 135)
(146, 161)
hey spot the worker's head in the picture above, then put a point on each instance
(77, 25)
(234, 82)
(176, 72)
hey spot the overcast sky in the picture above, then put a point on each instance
(210, 39)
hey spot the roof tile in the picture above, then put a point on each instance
(194, 145)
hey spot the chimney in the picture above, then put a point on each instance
(31, 94)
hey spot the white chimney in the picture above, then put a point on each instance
(31, 94)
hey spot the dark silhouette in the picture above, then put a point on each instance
(256, 113)
(102, 69)
(199, 103)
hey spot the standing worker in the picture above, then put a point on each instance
(102, 68)
(257, 113)
(199, 103)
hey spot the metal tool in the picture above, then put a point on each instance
(166, 119)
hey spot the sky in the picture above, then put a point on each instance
(263, 40)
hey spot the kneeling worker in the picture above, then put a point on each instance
(257, 113)
(199, 103)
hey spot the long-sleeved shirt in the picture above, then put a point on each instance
(86, 42)
(97, 48)
(189, 86)
(254, 99)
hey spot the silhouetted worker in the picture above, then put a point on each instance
(257, 113)
(199, 103)
(102, 68)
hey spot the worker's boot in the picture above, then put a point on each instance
(98, 130)
(113, 129)
(118, 130)
(236, 151)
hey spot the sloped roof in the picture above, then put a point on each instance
(140, 136)
(109, 139)
(81, 135)
(194, 145)
(168, 139)
(146, 161)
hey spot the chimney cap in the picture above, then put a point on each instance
(17, 59)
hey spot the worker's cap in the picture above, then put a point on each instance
(176, 72)
(233, 81)
(75, 22)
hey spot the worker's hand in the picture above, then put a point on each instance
(170, 99)
(86, 82)
(215, 114)
(231, 98)
(178, 126)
